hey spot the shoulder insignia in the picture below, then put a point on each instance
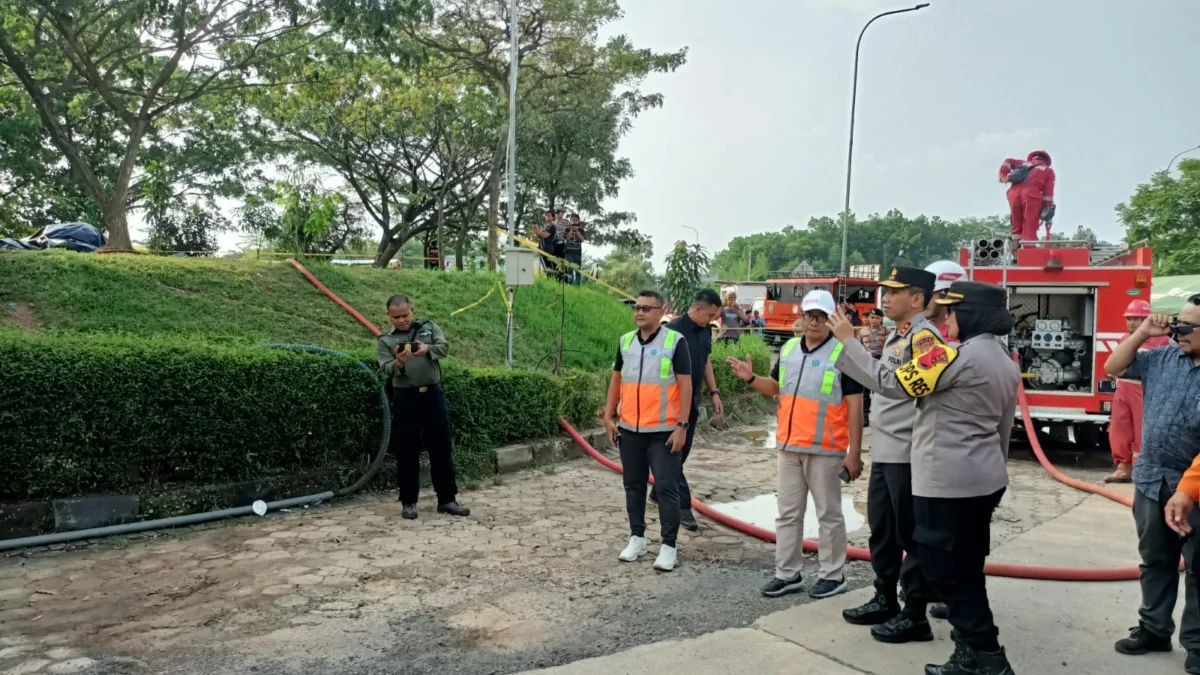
(931, 358)
(905, 327)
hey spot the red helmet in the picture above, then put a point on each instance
(1039, 153)
(1138, 308)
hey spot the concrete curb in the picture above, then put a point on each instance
(513, 458)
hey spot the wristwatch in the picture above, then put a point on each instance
(715, 392)
(683, 425)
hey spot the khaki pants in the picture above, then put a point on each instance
(799, 475)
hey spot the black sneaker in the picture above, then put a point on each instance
(454, 509)
(1142, 641)
(688, 520)
(826, 588)
(1191, 666)
(962, 662)
(777, 587)
(410, 512)
(877, 610)
(939, 610)
(902, 629)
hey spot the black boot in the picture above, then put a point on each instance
(454, 509)
(879, 609)
(962, 662)
(939, 610)
(993, 663)
(902, 628)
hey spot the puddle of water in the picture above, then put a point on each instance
(763, 438)
(763, 509)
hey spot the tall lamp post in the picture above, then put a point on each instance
(514, 28)
(697, 233)
(853, 107)
(1172, 162)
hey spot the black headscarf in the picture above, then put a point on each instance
(976, 319)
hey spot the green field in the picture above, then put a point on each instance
(241, 300)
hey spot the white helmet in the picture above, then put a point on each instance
(947, 272)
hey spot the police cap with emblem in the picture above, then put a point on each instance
(915, 277)
(975, 293)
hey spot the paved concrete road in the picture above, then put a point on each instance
(529, 581)
(1048, 627)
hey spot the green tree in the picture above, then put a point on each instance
(628, 267)
(559, 52)
(686, 266)
(152, 80)
(192, 230)
(1166, 213)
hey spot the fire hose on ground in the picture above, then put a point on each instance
(992, 569)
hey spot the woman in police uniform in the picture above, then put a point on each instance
(966, 401)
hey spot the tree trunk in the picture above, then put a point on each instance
(387, 252)
(116, 226)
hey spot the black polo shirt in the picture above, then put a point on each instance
(699, 339)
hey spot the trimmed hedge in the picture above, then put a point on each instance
(103, 414)
(760, 356)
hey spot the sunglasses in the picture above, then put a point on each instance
(645, 308)
(1179, 330)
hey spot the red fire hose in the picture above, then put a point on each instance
(992, 569)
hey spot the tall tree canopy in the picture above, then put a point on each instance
(886, 240)
(1166, 213)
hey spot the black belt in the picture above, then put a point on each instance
(419, 390)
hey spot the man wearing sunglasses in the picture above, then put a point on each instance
(1170, 380)
(649, 401)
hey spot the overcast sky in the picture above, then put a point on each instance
(753, 134)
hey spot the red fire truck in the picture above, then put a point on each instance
(1069, 300)
(782, 306)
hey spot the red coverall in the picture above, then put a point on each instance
(1026, 199)
(1125, 426)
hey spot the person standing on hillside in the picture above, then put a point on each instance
(574, 250)
(818, 435)
(890, 514)
(694, 327)
(1125, 427)
(546, 236)
(646, 417)
(1170, 378)
(409, 355)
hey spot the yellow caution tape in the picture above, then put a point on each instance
(476, 303)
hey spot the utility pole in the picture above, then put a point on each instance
(853, 108)
(513, 31)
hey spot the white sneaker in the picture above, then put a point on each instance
(635, 549)
(666, 559)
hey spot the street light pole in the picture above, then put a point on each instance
(853, 108)
(1172, 163)
(697, 233)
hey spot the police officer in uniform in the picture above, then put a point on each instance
(889, 493)
(966, 400)
(409, 355)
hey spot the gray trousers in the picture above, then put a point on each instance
(1160, 549)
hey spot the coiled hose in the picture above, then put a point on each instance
(196, 518)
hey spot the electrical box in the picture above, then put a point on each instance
(519, 264)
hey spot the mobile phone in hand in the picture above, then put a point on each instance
(845, 475)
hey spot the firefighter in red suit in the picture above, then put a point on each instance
(1030, 194)
(1125, 426)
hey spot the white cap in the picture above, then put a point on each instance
(820, 301)
(947, 272)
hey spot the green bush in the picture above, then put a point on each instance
(760, 356)
(98, 414)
